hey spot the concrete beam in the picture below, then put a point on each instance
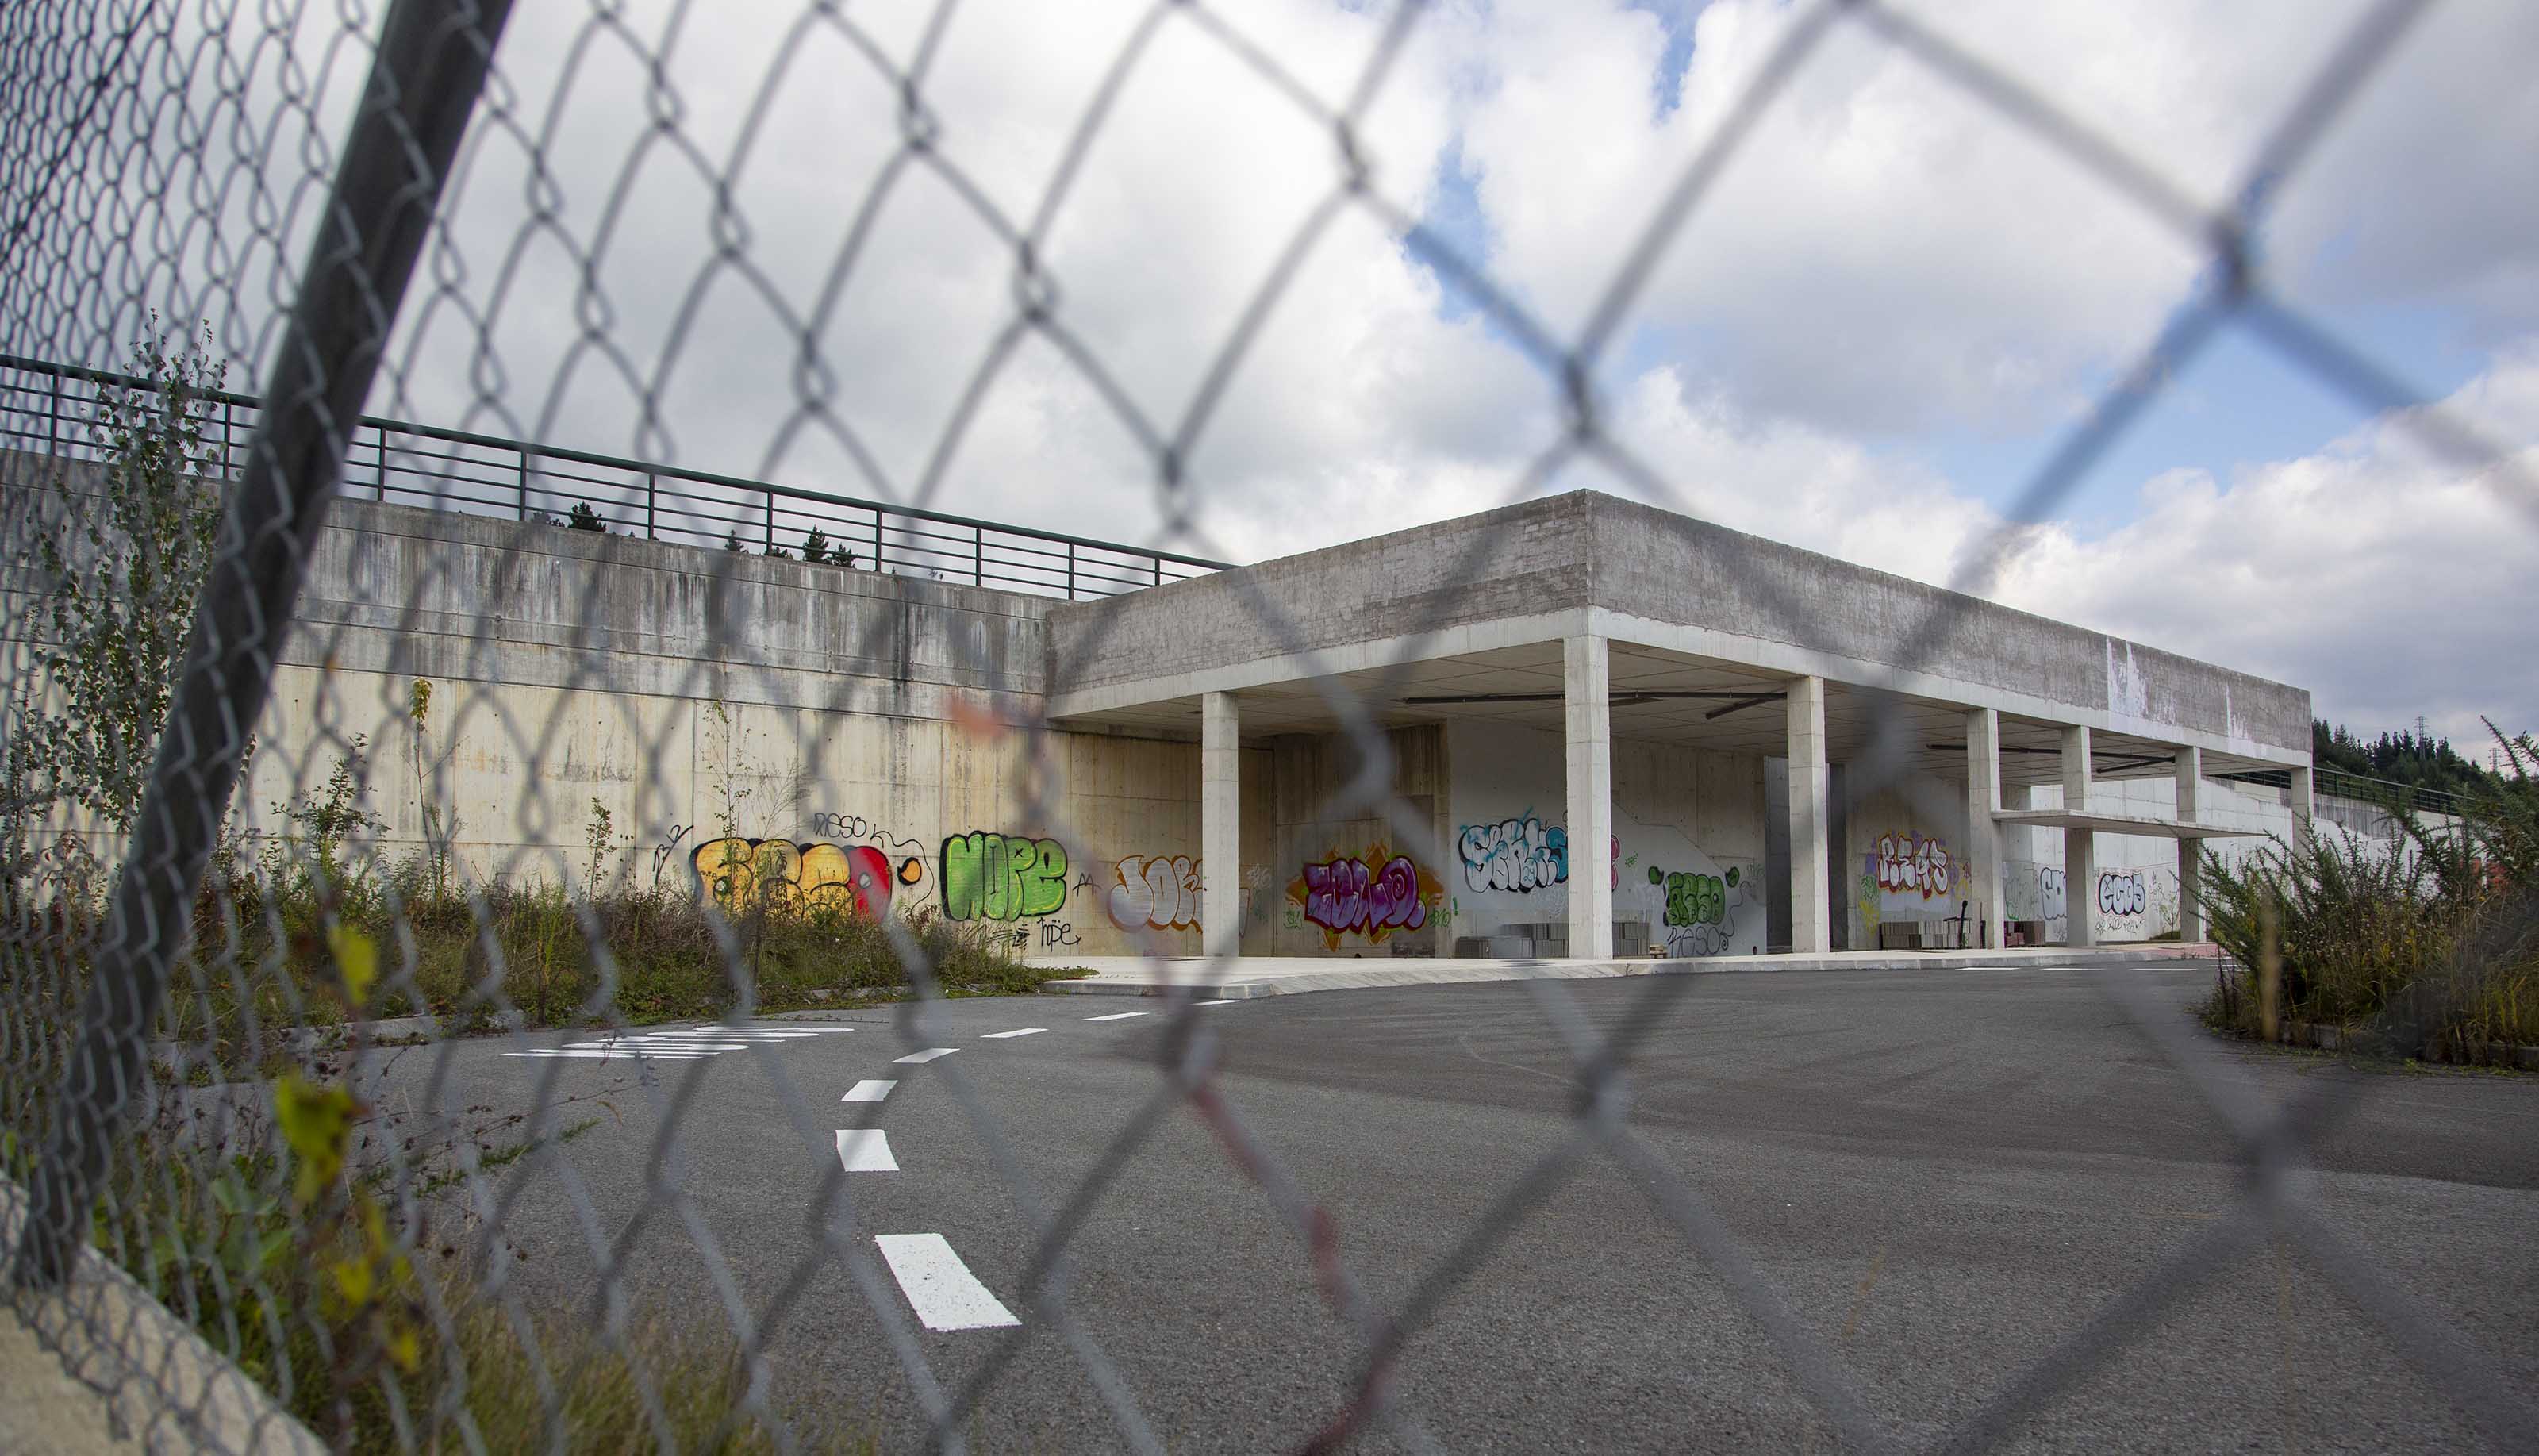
(1220, 830)
(2079, 846)
(1983, 835)
(1587, 690)
(1811, 914)
(2190, 852)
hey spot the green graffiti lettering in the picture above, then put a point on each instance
(990, 876)
(1696, 899)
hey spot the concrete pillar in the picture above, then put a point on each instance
(1983, 835)
(2079, 846)
(2305, 803)
(1220, 830)
(2190, 851)
(1811, 914)
(1587, 687)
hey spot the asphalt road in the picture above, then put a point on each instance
(1942, 1174)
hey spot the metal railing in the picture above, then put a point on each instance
(2359, 787)
(459, 470)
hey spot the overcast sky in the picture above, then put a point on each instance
(1874, 328)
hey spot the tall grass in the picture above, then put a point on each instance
(2424, 944)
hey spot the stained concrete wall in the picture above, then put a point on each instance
(1689, 833)
(1738, 595)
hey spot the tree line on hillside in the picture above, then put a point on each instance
(2418, 761)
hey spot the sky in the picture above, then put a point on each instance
(701, 234)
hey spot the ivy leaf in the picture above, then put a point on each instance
(357, 956)
(318, 1122)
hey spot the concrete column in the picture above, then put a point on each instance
(1983, 835)
(2190, 851)
(2079, 846)
(1587, 688)
(1810, 916)
(2304, 805)
(1220, 836)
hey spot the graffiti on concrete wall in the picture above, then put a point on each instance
(2050, 903)
(1001, 876)
(2122, 892)
(1520, 853)
(1910, 865)
(1701, 914)
(1158, 891)
(1373, 894)
(776, 873)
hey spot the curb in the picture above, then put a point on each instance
(158, 1378)
(1366, 975)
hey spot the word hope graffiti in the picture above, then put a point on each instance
(1521, 854)
(1162, 891)
(997, 876)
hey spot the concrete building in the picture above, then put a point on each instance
(1604, 727)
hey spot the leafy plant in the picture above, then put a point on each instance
(818, 548)
(117, 568)
(583, 518)
(325, 826)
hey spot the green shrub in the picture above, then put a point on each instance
(2428, 944)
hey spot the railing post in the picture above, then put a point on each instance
(380, 477)
(1071, 571)
(1159, 571)
(876, 538)
(651, 495)
(525, 482)
(771, 523)
(978, 556)
(53, 419)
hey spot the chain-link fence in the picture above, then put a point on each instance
(286, 876)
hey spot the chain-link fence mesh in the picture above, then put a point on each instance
(268, 927)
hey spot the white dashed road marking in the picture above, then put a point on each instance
(1119, 1015)
(681, 1043)
(919, 1059)
(869, 1091)
(939, 1287)
(1223, 1000)
(866, 1150)
(1023, 1031)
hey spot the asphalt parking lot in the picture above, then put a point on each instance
(1940, 1174)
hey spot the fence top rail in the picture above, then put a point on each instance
(2357, 785)
(653, 469)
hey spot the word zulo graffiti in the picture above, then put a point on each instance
(1002, 877)
(1695, 899)
(1162, 891)
(1700, 909)
(1911, 865)
(2123, 893)
(1521, 853)
(738, 873)
(1349, 895)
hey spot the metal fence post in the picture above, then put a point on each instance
(379, 475)
(1071, 571)
(651, 493)
(770, 523)
(423, 85)
(978, 556)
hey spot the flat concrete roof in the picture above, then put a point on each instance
(1475, 610)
